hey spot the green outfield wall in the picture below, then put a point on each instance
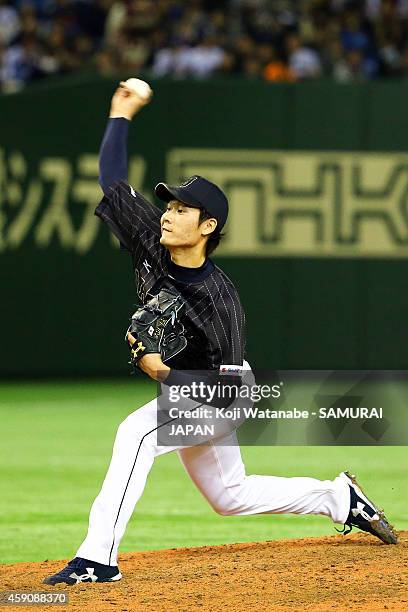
(317, 241)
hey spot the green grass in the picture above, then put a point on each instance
(56, 442)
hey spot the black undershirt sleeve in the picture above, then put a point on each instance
(113, 162)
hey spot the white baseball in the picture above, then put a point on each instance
(142, 88)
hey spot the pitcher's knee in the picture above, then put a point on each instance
(124, 430)
(134, 431)
(225, 511)
(225, 506)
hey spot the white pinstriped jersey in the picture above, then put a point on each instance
(214, 318)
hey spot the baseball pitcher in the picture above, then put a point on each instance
(190, 319)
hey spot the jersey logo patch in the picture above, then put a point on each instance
(231, 370)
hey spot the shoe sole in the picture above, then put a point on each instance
(115, 578)
(381, 526)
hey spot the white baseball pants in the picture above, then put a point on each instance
(218, 472)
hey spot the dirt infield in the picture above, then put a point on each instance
(355, 572)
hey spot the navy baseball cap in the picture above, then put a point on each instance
(196, 191)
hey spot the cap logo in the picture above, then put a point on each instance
(189, 181)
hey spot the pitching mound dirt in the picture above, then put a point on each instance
(355, 572)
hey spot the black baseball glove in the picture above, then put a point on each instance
(157, 326)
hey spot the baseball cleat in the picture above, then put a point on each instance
(365, 515)
(82, 570)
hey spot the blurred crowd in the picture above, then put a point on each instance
(274, 40)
